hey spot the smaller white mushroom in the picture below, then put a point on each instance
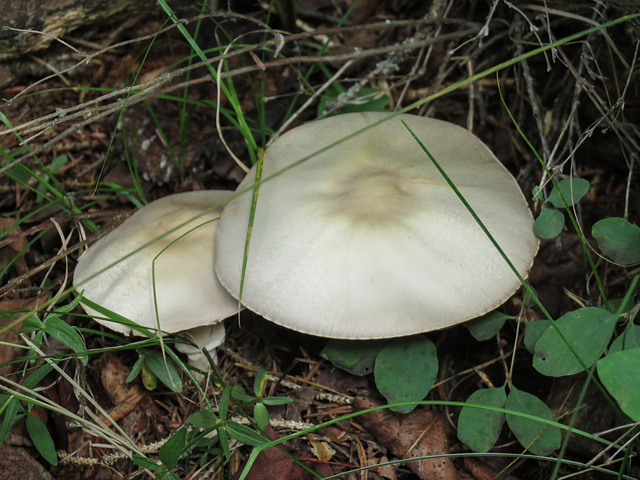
(152, 247)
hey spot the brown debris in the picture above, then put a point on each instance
(420, 433)
(17, 464)
(275, 464)
(9, 354)
(18, 244)
(129, 399)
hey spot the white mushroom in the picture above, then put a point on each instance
(366, 239)
(179, 260)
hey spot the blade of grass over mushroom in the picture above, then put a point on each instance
(475, 216)
(115, 318)
(252, 216)
(153, 276)
(444, 91)
(151, 242)
(524, 283)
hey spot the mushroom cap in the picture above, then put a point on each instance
(187, 290)
(366, 239)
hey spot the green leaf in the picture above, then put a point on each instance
(149, 380)
(204, 419)
(165, 474)
(223, 406)
(224, 443)
(477, 428)
(271, 401)
(549, 223)
(145, 462)
(259, 382)
(536, 193)
(238, 393)
(538, 438)
(487, 326)
(11, 405)
(573, 189)
(620, 374)
(618, 239)
(354, 356)
(533, 331)
(135, 370)
(57, 163)
(20, 174)
(405, 370)
(41, 439)
(36, 375)
(61, 330)
(627, 340)
(245, 434)
(165, 370)
(367, 100)
(171, 451)
(31, 324)
(588, 331)
(261, 415)
(529, 297)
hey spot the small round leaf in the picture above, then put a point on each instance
(477, 428)
(618, 239)
(539, 438)
(549, 223)
(354, 356)
(588, 331)
(405, 370)
(487, 326)
(620, 373)
(572, 189)
(627, 340)
(533, 331)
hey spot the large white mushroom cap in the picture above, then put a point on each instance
(366, 239)
(188, 294)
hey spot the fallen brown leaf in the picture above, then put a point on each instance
(419, 433)
(127, 398)
(274, 464)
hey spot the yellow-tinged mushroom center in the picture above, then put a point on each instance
(375, 195)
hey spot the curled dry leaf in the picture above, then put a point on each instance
(128, 398)
(420, 433)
